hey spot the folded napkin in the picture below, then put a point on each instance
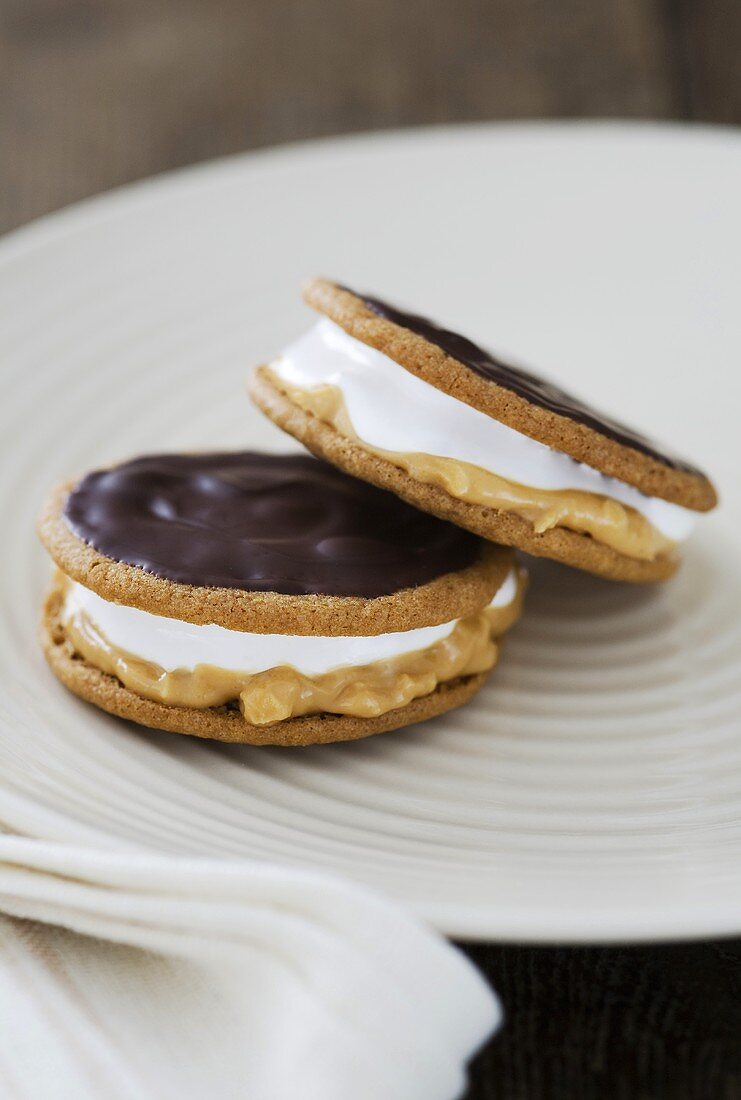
(222, 979)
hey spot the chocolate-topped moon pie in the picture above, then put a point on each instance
(408, 406)
(268, 599)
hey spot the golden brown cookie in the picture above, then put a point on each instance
(436, 600)
(266, 599)
(462, 424)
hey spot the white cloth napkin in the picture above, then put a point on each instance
(222, 980)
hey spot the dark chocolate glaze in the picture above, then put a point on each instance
(267, 523)
(531, 387)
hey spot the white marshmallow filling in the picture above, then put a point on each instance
(172, 644)
(392, 410)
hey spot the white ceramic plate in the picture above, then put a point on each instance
(593, 790)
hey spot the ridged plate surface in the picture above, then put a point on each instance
(593, 790)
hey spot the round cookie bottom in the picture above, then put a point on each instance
(224, 723)
(559, 543)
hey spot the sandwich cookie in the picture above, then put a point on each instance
(392, 398)
(267, 599)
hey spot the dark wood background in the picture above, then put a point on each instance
(94, 93)
(97, 92)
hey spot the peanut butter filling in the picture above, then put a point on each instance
(605, 520)
(280, 693)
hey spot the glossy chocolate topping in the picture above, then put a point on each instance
(267, 523)
(534, 389)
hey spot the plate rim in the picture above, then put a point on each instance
(125, 196)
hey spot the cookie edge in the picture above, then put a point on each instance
(444, 599)
(433, 365)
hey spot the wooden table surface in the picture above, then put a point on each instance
(94, 93)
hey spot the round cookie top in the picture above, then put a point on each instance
(256, 541)
(266, 523)
(522, 400)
